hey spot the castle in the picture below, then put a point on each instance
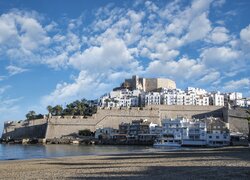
(147, 84)
(106, 116)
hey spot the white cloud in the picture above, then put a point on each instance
(219, 35)
(212, 76)
(237, 85)
(150, 40)
(57, 61)
(221, 57)
(219, 3)
(198, 29)
(22, 30)
(245, 34)
(183, 69)
(84, 86)
(112, 54)
(244, 43)
(13, 70)
(191, 15)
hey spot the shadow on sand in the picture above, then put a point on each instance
(119, 166)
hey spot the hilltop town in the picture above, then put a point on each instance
(138, 92)
(142, 111)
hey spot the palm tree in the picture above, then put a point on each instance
(50, 109)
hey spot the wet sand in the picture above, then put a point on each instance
(216, 163)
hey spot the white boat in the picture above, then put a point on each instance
(167, 143)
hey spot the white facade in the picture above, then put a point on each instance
(172, 128)
(202, 101)
(217, 99)
(195, 132)
(191, 96)
(242, 102)
(152, 98)
(120, 98)
(235, 95)
(197, 91)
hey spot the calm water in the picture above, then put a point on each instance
(18, 151)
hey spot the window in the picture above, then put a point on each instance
(210, 137)
(217, 137)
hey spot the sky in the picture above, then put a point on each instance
(54, 52)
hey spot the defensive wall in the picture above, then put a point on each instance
(236, 118)
(56, 127)
(25, 129)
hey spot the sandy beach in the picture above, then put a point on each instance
(216, 163)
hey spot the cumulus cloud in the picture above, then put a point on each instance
(182, 69)
(112, 54)
(245, 34)
(198, 29)
(84, 86)
(22, 37)
(220, 57)
(20, 29)
(155, 39)
(219, 35)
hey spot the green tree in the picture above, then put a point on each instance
(57, 110)
(107, 101)
(50, 109)
(85, 132)
(31, 115)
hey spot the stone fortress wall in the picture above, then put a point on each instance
(57, 127)
(25, 129)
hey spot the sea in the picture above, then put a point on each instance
(21, 152)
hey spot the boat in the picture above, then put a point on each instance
(165, 142)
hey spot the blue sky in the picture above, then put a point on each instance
(54, 52)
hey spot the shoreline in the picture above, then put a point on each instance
(214, 163)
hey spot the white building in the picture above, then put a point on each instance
(202, 100)
(151, 98)
(196, 91)
(191, 96)
(216, 99)
(172, 128)
(120, 98)
(194, 133)
(235, 95)
(242, 102)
